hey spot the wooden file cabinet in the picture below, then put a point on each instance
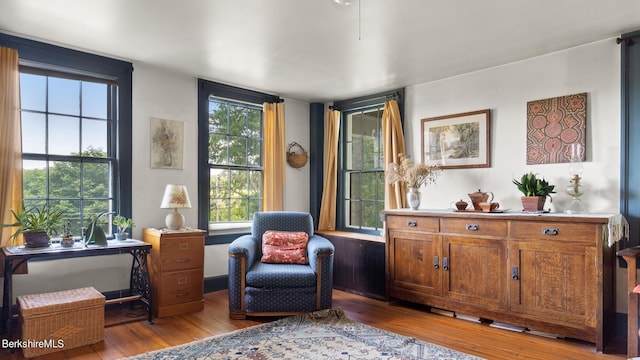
(176, 266)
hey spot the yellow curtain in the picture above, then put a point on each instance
(274, 157)
(10, 140)
(327, 219)
(395, 196)
(10, 145)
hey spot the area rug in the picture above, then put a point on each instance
(326, 334)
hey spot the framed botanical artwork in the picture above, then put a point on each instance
(167, 137)
(457, 141)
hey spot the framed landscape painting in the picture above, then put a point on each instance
(457, 141)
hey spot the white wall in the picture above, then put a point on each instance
(164, 95)
(158, 93)
(505, 90)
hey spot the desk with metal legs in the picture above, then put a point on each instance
(139, 285)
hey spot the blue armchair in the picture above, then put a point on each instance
(262, 289)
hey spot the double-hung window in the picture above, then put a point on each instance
(360, 166)
(76, 130)
(235, 160)
(68, 143)
(230, 148)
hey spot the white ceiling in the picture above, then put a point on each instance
(316, 50)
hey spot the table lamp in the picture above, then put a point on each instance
(175, 197)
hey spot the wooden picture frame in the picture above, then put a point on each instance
(457, 141)
(167, 144)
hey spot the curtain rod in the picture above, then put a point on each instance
(630, 38)
(366, 99)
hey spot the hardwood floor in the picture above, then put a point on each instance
(135, 337)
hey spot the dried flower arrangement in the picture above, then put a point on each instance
(414, 175)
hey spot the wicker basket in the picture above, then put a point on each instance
(296, 155)
(61, 320)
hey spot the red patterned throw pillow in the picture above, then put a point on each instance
(285, 247)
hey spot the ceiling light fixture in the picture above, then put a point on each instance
(349, 2)
(344, 2)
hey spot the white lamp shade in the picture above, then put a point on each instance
(175, 197)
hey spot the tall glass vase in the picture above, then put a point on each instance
(413, 198)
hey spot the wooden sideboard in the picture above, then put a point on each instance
(546, 272)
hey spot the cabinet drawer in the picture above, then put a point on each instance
(181, 286)
(414, 223)
(183, 253)
(475, 227)
(554, 231)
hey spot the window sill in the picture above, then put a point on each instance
(229, 228)
(352, 235)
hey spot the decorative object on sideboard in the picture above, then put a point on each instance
(36, 224)
(535, 191)
(296, 155)
(480, 197)
(489, 206)
(459, 205)
(413, 198)
(414, 175)
(122, 223)
(175, 197)
(576, 188)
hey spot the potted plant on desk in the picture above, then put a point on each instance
(123, 224)
(66, 238)
(36, 224)
(535, 191)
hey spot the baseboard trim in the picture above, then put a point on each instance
(215, 283)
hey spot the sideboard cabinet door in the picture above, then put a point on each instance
(477, 271)
(556, 282)
(415, 264)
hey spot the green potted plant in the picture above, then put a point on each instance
(36, 224)
(123, 224)
(66, 238)
(94, 232)
(535, 191)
